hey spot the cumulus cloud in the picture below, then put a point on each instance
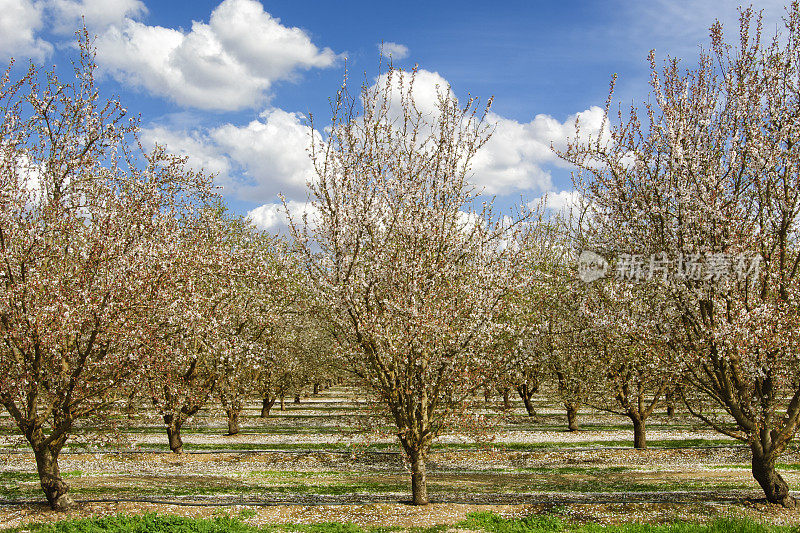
(254, 162)
(97, 14)
(271, 151)
(229, 63)
(557, 201)
(515, 156)
(19, 22)
(194, 145)
(257, 161)
(427, 86)
(272, 217)
(393, 50)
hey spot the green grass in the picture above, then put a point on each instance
(548, 523)
(489, 522)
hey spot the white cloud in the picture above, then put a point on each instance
(515, 156)
(558, 201)
(268, 156)
(394, 50)
(254, 162)
(19, 21)
(272, 151)
(427, 86)
(272, 217)
(194, 145)
(97, 14)
(228, 63)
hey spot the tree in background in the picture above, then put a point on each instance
(87, 233)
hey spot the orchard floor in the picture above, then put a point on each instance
(316, 462)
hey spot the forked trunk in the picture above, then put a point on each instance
(266, 406)
(174, 434)
(55, 489)
(297, 398)
(639, 433)
(775, 488)
(233, 420)
(572, 416)
(419, 480)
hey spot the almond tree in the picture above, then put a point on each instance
(86, 237)
(635, 361)
(260, 297)
(407, 274)
(708, 173)
(225, 301)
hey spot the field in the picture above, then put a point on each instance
(314, 462)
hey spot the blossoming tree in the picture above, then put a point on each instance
(407, 273)
(86, 227)
(709, 172)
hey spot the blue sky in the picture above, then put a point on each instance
(228, 83)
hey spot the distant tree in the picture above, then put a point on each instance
(87, 227)
(635, 359)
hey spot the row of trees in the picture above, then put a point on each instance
(122, 274)
(426, 290)
(120, 269)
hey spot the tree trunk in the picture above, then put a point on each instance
(419, 480)
(297, 398)
(266, 406)
(283, 403)
(316, 388)
(639, 434)
(670, 399)
(506, 400)
(233, 420)
(55, 489)
(572, 416)
(131, 406)
(526, 394)
(174, 434)
(775, 488)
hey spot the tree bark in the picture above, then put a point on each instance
(419, 480)
(55, 488)
(506, 400)
(233, 420)
(266, 406)
(174, 433)
(526, 393)
(316, 388)
(297, 398)
(639, 433)
(283, 403)
(131, 405)
(669, 397)
(572, 416)
(775, 488)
